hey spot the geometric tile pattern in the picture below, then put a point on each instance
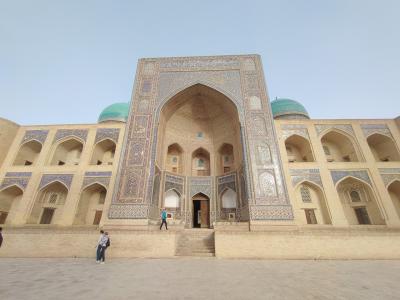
(20, 179)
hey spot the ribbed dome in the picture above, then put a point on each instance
(288, 109)
(115, 112)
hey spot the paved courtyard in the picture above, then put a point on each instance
(197, 278)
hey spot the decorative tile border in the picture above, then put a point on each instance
(370, 129)
(128, 211)
(290, 132)
(66, 179)
(103, 178)
(312, 175)
(202, 185)
(226, 181)
(107, 133)
(37, 135)
(20, 179)
(337, 175)
(321, 128)
(174, 182)
(63, 133)
(389, 175)
(271, 212)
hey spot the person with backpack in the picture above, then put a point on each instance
(98, 250)
(104, 244)
(164, 218)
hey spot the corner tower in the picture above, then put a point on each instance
(200, 129)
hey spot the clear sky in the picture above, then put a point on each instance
(64, 61)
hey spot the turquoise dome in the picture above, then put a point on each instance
(288, 109)
(115, 112)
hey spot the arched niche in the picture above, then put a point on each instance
(359, 202)
(312, 203)
(172, 199)
(174, 161)
(103, 153)
(198, 117)
(339, 147)
(228, 199)
(9, 200)
(298, 149)
(226, 159)
(91, 205)
(49, 204)
(394, 192)
(28, 153)
(201, 162)
(383, 148)
(67, 152)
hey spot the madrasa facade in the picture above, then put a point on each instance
(239, 175)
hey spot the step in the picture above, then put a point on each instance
(195, 242)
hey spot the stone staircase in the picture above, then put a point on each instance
(195, 242)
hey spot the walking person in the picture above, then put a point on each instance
(164, 218)
(1, 236)
(98, 250)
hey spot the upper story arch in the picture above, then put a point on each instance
(383, 147)
(67, 151)
(298, 149)
(103, 152)
(28, 153)
(339, 146)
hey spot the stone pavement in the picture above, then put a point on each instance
(197, 278)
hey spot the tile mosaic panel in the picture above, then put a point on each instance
(107, 133)
(63, 133)
(337, 175)
(66, 179)
(38, 135)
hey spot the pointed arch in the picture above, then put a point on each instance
(67, 151)
(49, 203)
(228, 198)
(91, 203)
(28, 153)
(103, 152)
(226, 159)
(175, 163)
(383, 147)
(9, 200)
(53, 182)
(298, 149)
(363, 210)
(339, 146)
(172, 199)
(355, 178)
(394, 192)
(201, 162)
(312, 202)
(199, 83)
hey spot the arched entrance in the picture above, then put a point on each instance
(201, 211)
(198, 139)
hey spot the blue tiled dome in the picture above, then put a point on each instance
(115, 112)
(283, 108)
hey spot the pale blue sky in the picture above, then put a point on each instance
(64, 61)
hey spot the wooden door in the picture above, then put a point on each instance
(47, 216)
(97, 217)
(205, 220)
(3, 217)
